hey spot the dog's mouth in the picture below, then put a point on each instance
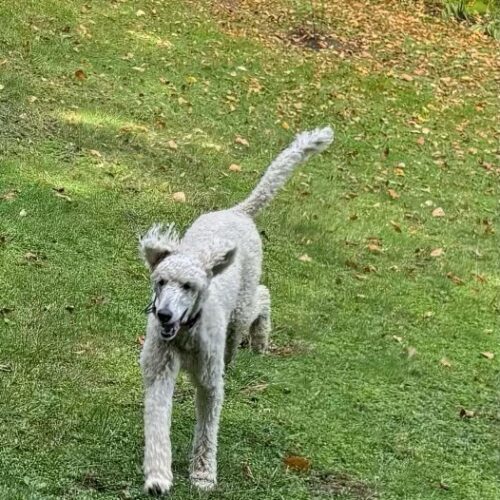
(169, 331)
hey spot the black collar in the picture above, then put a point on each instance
(193, 320)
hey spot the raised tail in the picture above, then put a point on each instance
(305, 145)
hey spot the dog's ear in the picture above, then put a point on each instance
(159, 242)
(219, 256)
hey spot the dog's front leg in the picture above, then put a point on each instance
(157, 418)
(209, 400)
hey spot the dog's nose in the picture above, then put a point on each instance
(164, 315)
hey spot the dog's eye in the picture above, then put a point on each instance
(161, 283)
(187, 286)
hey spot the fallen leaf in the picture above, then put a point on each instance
(374, 248)
(438, 212)
(247, 471)
(172, 145)
(467, 413)
(453, 277)
(297, 463)
(94, 152)
(396, 226)
(397, 338)
(480, 278)
(393, 194)
(140, 13)
(406, 78)
(32, 99)
(62, 196)
(437, 252)
(411, 351)
(80, 74)
(140, 340)
(179, 197)
(305, 258)
(399, 172)
(140, 69)
(421, 140)
(487, 355)
(9, 195)
(31, 256)
(241, 140)
(23, 213)
(234, 167)
(445, 362)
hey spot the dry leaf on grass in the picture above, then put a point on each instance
(80, 74)
(453, 277)
(234, 167)
(411, 351)
(467, 413)
(374, 247)
(179, 197)
(31, 256)
(487, 355)
(23, 213)
(421, 140)
(241, 140)
(305, 258)
(140, 13)
(445, 362)
(60, 194)
(172, 145)
(297, 463)
(140, 340)
(9, 195)
(396, 226)
(438, 212)
(437, 252)
(95, 153)
(393, 194)
(247, 471)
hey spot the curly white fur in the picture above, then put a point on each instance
(206, 297)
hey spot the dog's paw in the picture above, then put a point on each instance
(157, 484)
(204, 483)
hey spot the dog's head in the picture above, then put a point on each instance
(180, 279)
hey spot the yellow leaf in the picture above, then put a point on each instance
(179, 197)
(445, 362)
(487, 355)
(297, 463)
(393, 194)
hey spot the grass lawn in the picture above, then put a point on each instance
(376, 377)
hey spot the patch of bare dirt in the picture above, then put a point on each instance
(331, 484)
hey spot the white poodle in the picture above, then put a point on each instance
(206, 297)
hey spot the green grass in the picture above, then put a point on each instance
(340, 389)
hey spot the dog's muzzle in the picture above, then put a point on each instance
(169, 328)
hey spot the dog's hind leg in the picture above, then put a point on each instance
(236, 332)
(261, 326)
